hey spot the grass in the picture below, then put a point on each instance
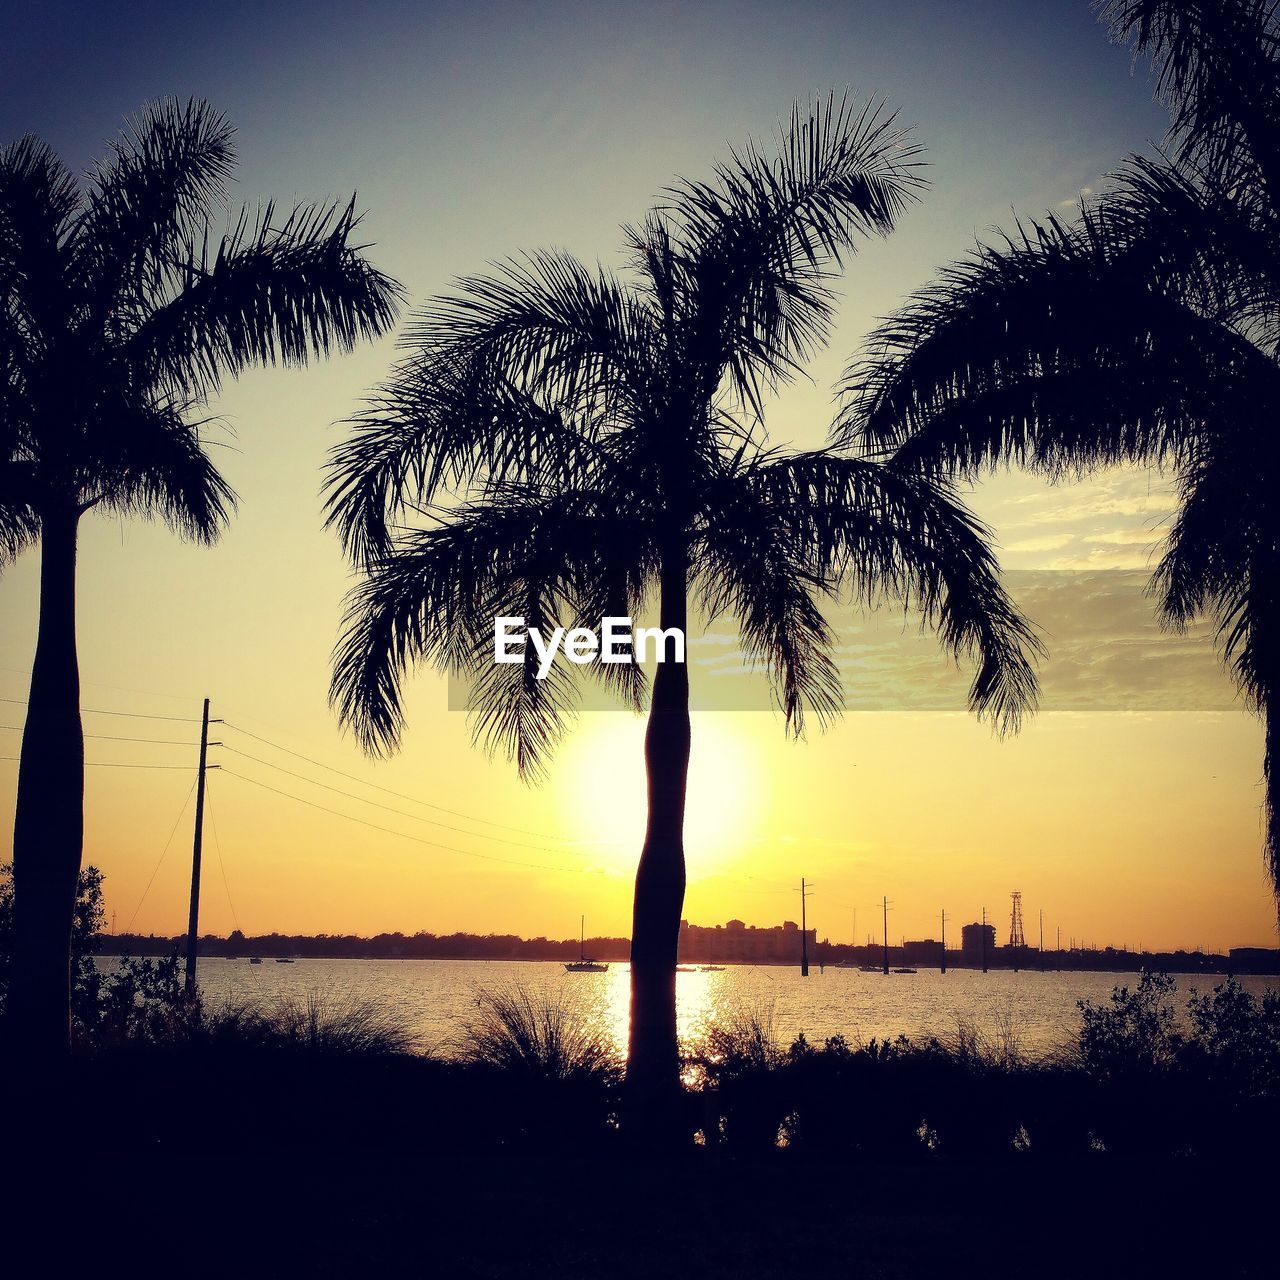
(537, 1034)
(323, 1148)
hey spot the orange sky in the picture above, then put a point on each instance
(1132, 825)
(1128, 809)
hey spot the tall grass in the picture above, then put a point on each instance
(742, 1041)
(346, 1024)
(315, 1024)
(537, 1034)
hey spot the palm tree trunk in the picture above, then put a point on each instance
(1271, 781)
(653, 1061)
(48, 827)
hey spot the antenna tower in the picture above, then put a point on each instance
(1016, 936)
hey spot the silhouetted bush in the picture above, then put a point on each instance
(539, 1034)
(1140, 1078)
(87, 922)
(550, 1074)
(535, 1071)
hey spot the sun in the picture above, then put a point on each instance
(603, 799)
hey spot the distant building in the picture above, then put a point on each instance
(1254, 960)
(971, 943)
(739, 943)
(925, 951)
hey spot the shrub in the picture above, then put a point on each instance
(90, 916)
(1235, 1037)
(1134, 1033)
(537, 1034)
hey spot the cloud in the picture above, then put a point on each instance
(1046, 542)
(1106, 652)
(1127, 537)
(1072, 202)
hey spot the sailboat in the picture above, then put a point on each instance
(584, 963)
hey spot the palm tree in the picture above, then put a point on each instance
(1144, 332)
(604, 437)
(119, 315)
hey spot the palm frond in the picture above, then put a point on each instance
(153, 463)
(437, 424)
(545, 323)
(1217, 65)
(895, 534)
(1220, 556)
(755, 249)
(166, 177)
(273, 290)
(38, 203)
(19, 518)
(434, 597)
(507, 379)
(1056, 350)
(751, 566)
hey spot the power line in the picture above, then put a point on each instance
(120, 764)
(350, 795)
(400, 795)
(131, 715)
(319, 764)
(217, 846)
(163, 852)
(404, 835)
(114, 737)
(115, 688)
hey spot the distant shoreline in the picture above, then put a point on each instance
(1259, 963)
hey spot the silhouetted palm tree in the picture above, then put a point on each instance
(604, 434)
(118, 316)
(1144, 332)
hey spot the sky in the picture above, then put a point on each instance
(1127, 809)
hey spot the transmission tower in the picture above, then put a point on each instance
(1016, 936)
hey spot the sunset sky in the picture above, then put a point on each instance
(1127, 810)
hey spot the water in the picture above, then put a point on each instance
(437, 997)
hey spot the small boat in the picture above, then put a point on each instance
(868, 968)
(283, 960)
(584, 963)
(255, 959)
(685, 968)
(711, 968)
(906, 970)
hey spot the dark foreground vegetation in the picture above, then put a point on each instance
(314, 1137)
(309, 1139)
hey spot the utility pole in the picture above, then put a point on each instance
(193, 920)
(984, 939)
(944, 940)
(886, 936)
(804, 932)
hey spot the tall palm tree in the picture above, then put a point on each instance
(119, 315)
(604, 437)
(1144, 332)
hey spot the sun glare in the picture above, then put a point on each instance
(603, 804)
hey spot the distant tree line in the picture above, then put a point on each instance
(382, 946)
(507, 946)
